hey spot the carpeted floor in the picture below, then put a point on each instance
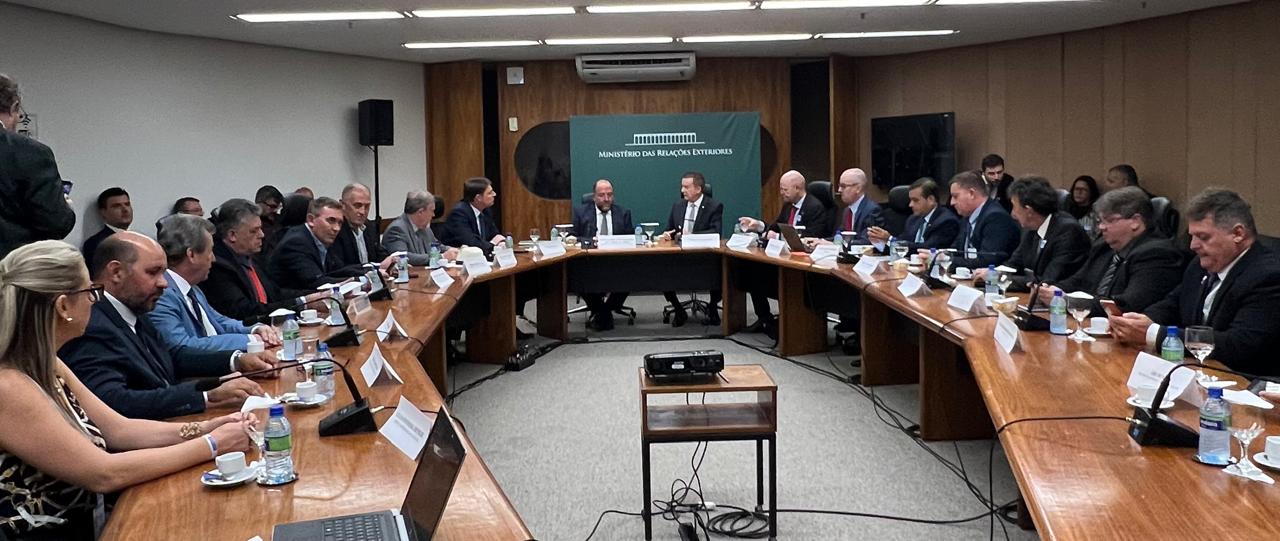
(562, 437)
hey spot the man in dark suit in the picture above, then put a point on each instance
(602, 217)
(116, 211)
(930, 224)
(1128, 264)
(695, 213)
(357, 243)
(988, 235)
(33, 207)
(305, 258)
(1233, 286)
(470, 223)
(860, 213)
(411, 232)
(236, 286)
(122, 358)
(1053, 244)
(1120, 176)
(998, 181)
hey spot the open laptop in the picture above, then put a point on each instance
(438, 467)
(792, 236)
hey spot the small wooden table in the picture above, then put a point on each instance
(738, 421)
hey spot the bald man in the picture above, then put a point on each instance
(357, 242)
(798, 209)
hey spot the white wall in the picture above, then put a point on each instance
(168, 116)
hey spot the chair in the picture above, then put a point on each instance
(1164, 217)
(1063, 194)
(821, 190)
(897, 209)
(626, 311)
(694, 304)
(437, 224)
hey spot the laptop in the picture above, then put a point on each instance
(417, 520)
(792, 236)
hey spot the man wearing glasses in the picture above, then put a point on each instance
(34, 206)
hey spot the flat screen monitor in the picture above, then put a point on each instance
(905, 148)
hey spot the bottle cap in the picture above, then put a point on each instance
(1215, 392)
(1057, 293)
(277, 410)
(991, 268)
(323, 347)
(1173, 331)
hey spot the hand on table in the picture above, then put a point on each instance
(498, 240)
(1046, 295)
(1130, 327)
(980, 274)
(666, 235)
(747, 223)
(233, 392)
(233, 436)
(260, 360)
(269, 335)
(879, 234)
(451, 253)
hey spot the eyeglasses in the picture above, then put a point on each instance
(1111, 220)
(94, 291)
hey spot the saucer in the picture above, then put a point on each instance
(958, 277)
(213, 478)
(1133, 401)
(310, 322)
(1091, 332)
(1261, 458)
(293, 400)
(1196, 457)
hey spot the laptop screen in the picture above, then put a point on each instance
(438, 467)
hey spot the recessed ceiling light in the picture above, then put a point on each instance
(893, 34)
(979, 2)
(657, 8)
(818, 4)
(492, 12)
(468, 44)
(745, 37)
(608, 41)
(318, 16)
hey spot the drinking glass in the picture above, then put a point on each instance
(1200, 341)
(535, 234)
(564, 230)
(650, 228)
(259, 439)
(1080, 306)
(846, 240)
(900, 249)
(1003, 281)
(1247, 422)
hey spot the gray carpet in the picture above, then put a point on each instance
(562, 437)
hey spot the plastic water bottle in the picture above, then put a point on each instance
(433, 260)
(639, 236)
(1057, 313)
(402, 269)
(292, 336)
(335, 308)
(1171, 348)
(944, 263)
(322, 372)
(1215, 438)
(993, 290)
(279, 448)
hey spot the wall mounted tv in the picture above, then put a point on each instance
(905, 148)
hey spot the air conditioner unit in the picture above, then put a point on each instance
(636, 68)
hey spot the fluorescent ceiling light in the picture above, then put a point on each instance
(468, 44)
(978, 2)
(318, 16)
(492, 12)
(746, 37)
(608, 41)
(657, 8)
(818, 4)
(894, 34)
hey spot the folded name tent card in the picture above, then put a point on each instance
(868, 265)
(553, 248)
(740, 241)
(776, 248)
(281, 312)
(700, 240)
(258, 403)
(407, 428)
(1149, 371)
(376, 367)
(475, 265)
(389, 327)
(1006, 333)
(441, 278)
(912, 285)
(964, 298)
(825, 254)
(506, 257)
(615, 242)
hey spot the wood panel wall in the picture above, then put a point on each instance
(553, 92)
(455, 132)
(844, 115)
(1190, 100)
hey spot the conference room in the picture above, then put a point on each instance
(959, 269)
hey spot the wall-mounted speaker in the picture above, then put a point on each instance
(376, 123)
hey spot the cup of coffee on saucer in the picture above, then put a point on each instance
(230, 464)
(963, 273)
(1099, 325)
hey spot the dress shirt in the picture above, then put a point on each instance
(198, 313)
(603, 224)
(479, 224)
(691, 215)
(1042, 232)
(115, 229)
(798, 205)
(924, 224)
(125, 313)
(360, 247)
(1153, 330)
(324, 250)
(968, 239)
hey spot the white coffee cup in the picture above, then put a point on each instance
(917, 259)
(1099, 324)
(230, 464)
(963, 273)
(306, 390)
(255, 344)
(1143, 394)
(310, 315)
(1272, 448)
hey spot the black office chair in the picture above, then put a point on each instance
(897, 209)
(694, 304)
(821, 190)
(626, 311)
(437, 225)
(1164, 217)
(1063, 196)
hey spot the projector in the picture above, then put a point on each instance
(683, 364)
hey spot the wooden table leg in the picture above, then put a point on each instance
(492, 339)
(733, 302)
(553, 302)
(434, 360)
(801, 330)
(951, 406)
(889, 348)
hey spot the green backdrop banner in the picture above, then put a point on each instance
(645, 155)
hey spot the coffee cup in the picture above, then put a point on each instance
(306, 390)
(310, 315)
(255, 344)
(1143, 395)
(230, 464)
(964, 273)
(1099, 325)
(917, 259)
(1272, 448)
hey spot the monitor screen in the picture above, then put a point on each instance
(438, 467)
(905, 148)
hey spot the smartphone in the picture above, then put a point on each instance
(1110, 307)
(66, 187)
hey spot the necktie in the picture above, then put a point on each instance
(924, 224)
(848, 220)
(361, 249)
(196, 315)
(690, 216)
(258, 290)
(792, 218)
(1109, 276)
(604, 223)
(1206, 288)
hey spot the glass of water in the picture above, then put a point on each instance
(1199, 341)
(535, 234)
(1080, 305)
(1247, 422)
(650, 228)
(900, 249)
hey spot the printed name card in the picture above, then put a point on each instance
(776, 248)
(700, 240)
(407, 428)
(868, 265)
(441, 278)
(475, 265)
(377, 366)
(1149, 371)
(615, 242)
(1006, 333)
(741, 242)
(912, 285)
(824, 255)
(506, 257)
(390, 327)
(963, 298)
(361, 304)
(551, 248)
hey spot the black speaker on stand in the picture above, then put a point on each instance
(376, 129)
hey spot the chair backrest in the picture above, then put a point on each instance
(439, 209)
(706, 190)
(1063, 194)
(588, 197)
(821, 190)
(1164, 217)
(900, 198)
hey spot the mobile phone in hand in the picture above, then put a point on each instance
(1110, 307)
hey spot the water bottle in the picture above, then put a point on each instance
(1215, 436)
(292, 335)
(1057, 313)
(639, 236)
(402, 269)
(511, 242)
(993, 290)
(322, 372)
(335, 307)
(278, 448)
(433, 260)
(1171, 348)
(944, 263)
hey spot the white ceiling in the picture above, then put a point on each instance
(383, 39)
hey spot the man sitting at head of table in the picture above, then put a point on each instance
(1129, 263)
(411, 232)
(122, 358)
(930, 224)
(988, 235)
(305, 257)
(1233, 287)
(695, 213)
(1053, 245)
(470, 223)
(590, 220)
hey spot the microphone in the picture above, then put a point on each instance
(1025, 318)
(1150, 427)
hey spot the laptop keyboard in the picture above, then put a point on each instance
(356, 528)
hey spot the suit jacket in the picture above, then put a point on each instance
(995, 235)
(133, 372)
(33, 207)
(297, 262)
(345, 244)
(230, 292)
(708, 219)
(402, 236)
(460, 228)
(940, 231)
(813, 216)
(1245, 315)
(1065, 248)
(91, 245)
(1150, 270)
(584, 221)
(869, 214)
(177, 324)
(1001, 190)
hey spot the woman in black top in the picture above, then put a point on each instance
(1084, 193)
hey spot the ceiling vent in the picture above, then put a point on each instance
(636, 68)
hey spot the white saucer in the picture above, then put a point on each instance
(213, 478)
(292, 400)
(1092, 332)
(1133, 401)
(958, 277)
(310, 322)
(1261, 458)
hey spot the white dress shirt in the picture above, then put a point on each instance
(361, 249)
(1042, 232)
(691, 215)
(126, 314)
(184, 289)
(479, 225)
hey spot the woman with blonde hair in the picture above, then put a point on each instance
(60, 446)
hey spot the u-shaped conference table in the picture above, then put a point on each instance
(1081, 479)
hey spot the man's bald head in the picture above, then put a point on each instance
(791, 186)
(130, 266)
(852, 184)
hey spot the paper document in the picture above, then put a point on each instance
(407, 428)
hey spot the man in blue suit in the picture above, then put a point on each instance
(470, 223)
(602, 217)
(930, 224)
(860, 211)
(988, 235)
(183, 314)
